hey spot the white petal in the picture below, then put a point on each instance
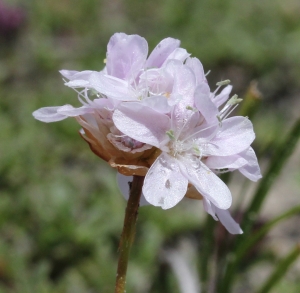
(124, 186)
(73, 75)
(70, 111)
(224, 216)
(197, 68)
(235, 135)
(204, 104)
(77, 83)
(157, 103)
(126, 55)
(230, 162)
(251, 170)
(112, 87)
(142, 123)
(207, 183)
(223, 96)
(161, 52)
(210, 208)
(184, 81)
(178, 54)
(48, 114)
(228, 222)
(164, 184)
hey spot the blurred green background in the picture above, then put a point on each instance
(61, 213)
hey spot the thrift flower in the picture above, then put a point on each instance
(156, 117)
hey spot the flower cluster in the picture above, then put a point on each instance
(156, 117)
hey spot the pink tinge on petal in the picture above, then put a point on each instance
(221, 98)
(224, 216)
(184, 81)
(112, 87)
(77, 83)
(183, 86)
(156, 81)
(235, 135)
(73, 75)
(157, 103)
(204, 104)
(230, 162)
(197, 68)
(183, 125)
(70, 111)
(228, 222)
(178, 54)
(142, 123)
(124, 186)
(251, 170)
(209, 208)
(126, 56)
(49, 114)
(207, 183)
(161, 52)
(164, 184)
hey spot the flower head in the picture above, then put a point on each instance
(156, 117)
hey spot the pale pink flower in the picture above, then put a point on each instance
(159, 113)
(128, 75)
(196, 142)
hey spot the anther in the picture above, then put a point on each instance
(170, 133)
(223, 82)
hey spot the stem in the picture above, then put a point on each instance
(128, 232)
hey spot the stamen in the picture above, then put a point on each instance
(191, 108)
(223, 118)
(234, 101)
(208, 72)
(219, 84)
(223, 82)
(170, 133)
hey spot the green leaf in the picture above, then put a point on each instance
(245, 246)
(280, 158)
(280, 270)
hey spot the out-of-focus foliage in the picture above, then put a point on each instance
(60, 211)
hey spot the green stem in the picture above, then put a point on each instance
(128, 233)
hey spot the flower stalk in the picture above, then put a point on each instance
(128, 232)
